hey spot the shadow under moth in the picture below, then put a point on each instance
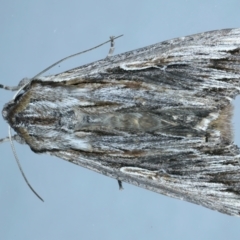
(158, 117)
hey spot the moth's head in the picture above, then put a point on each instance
(7, 109)
(10, 107)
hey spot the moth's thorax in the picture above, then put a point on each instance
(43, 115)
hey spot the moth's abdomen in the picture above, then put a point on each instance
(126, 122)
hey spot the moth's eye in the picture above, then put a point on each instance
(6, 109)
(4, 113)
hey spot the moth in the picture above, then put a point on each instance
(158, 117)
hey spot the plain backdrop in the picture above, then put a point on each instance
(80, 204)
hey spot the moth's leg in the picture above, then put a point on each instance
(111, 50)
(6, 139)
(14, 137)
(120, 185)
(15, 88)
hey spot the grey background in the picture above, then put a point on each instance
(80, 204)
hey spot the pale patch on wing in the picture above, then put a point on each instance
(140, 172)
(138, 65)
(203, 125)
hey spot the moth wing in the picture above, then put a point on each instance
(210, 55)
